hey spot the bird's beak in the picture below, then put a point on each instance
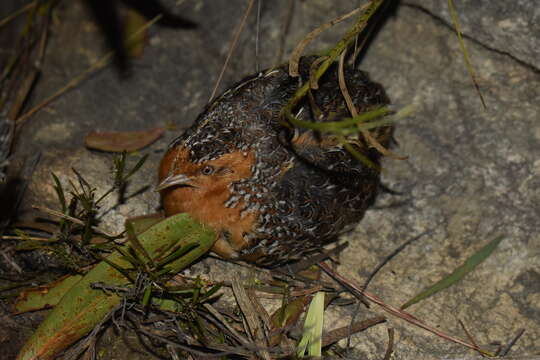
(173, 180)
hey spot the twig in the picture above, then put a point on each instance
(392, 255)
(257, 36)
(470, 69)
(285, 31)
(292, 269)
(29, 80)
(13, 237)
(78, 79)
(72, 219)
(11, 262)
(390, 348)
(335, 335)
(469, 336)
(512, 342)
(250, 315)
(218, 316)
(350, 105)
(192, 350)
(22, 10)
(299, 50)
(358, 291)
(231, 49)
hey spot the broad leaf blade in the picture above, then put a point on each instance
(83, 307)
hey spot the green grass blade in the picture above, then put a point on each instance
(179, 252)
(458, 274)
(136, 244)
(312, 337)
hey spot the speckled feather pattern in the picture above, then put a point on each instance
(304, 190)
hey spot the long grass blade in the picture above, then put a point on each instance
(470, 69)
(458, 274)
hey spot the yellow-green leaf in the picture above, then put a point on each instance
(83, 307)
(44, 296)
(312, 337)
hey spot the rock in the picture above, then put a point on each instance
(510, 27)
(472, 174)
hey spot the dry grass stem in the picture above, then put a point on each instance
(22, 10)
(299, 50)
(72, 219)
(357, 290)
(236, 36)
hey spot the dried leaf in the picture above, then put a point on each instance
(122, 141)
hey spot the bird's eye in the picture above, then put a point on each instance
(207, 170)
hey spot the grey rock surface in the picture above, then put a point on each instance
(472, 174)
(510, 27)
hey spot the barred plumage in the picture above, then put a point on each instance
(273, 194)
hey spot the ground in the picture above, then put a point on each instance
(472, 174)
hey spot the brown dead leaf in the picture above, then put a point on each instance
(122, 140)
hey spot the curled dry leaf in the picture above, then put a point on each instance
(122, 140)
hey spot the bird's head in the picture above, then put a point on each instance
(191, 186)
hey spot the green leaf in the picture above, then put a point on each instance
(82, 307)
(147, 295)
(177, 253)
(213, 290)
(312, 337)
(45, 296)
(458, 274)
(136, 244)
(59, 192)
(142, 223)
(136, 167)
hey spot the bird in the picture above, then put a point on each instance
(274, 193)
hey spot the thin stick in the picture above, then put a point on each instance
(390, 348)
(286, 112)
(14, 237)
(284, 31)
(512, 342)
(70, 218)
(251, 316)
(30, 79)
(225, 323)
(10, 261)
(392, 255)
(22, 10)
(469, 336)
(78, 79)
(231, 49)
(358, 291)
(258, 35)
(335, 335)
